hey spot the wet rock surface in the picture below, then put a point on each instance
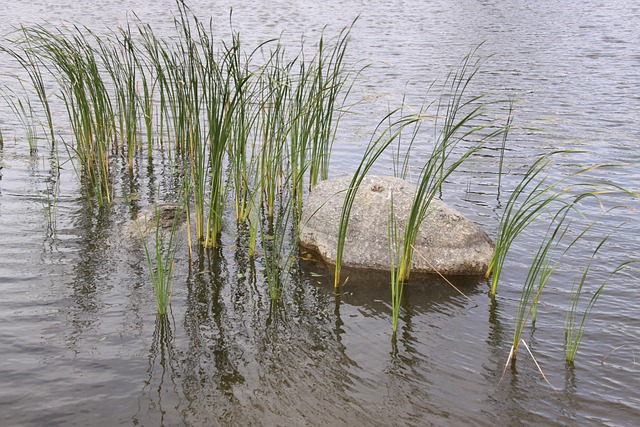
(447, 243)
(160, 216)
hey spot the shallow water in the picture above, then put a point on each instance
(80, 341)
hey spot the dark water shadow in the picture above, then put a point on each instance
(369, 288)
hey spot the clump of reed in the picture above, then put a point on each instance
(462, 129)
(161, 256)
(73, 63)
(560, 205)
(528, 200)
(258, 126)
(574, 330)
(31, 64)
(24, 111)
(255, 124)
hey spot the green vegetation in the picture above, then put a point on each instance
(161, 257)
(559, 207)
(266, 120)
(462, 129)
(527, 202)
(574, 330)
(253, 130)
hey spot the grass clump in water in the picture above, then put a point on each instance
(258, 128)
(563, 202)
(160, 252)
(460, 133)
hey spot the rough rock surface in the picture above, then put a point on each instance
(153, 216)
(450, 243)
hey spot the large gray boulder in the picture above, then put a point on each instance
(447, 243)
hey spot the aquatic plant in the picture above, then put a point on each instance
(567, 226)
(518, 214)
(30, 63)
(161, 258)
(274, 128)
(538, 275)
(279, 241)
(460, 123)
(216, 108)
(540, 272)
(269, 126)
(120, 62)
(395, 250)
(73, 63)
(23, 110)
(377, 145)
(574, 331)
(503, 148)
(329, 80)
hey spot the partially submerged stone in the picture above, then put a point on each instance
(447, 243)
(157, 216)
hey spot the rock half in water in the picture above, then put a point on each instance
(448, 243)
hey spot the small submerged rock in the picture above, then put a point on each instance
(166, 214)
(162, 215)
(447, 243)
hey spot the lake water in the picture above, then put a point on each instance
(80, 342)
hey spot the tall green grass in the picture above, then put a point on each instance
(256, 124)
(32, 65)
(73, 63)
(539, 275)
(559, 205)
(461, 129)
(575, 323)
(381, 139)
(161, 256)
(529, 199)
(24, 111)
(461, 133)
(252, 131)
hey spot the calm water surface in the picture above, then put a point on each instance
(80, 343)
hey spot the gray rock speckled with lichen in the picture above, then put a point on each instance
(152, 217)
(450, 243)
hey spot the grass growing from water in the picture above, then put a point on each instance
(561, 201)
(212, 102)
(575, 323)
(538, 276)
(161, 256)
(29, 62)
(374, 150)
(457, 121)
(23, 110)
(530, 198)
(461, 119)
(257, 126)
(73, 63)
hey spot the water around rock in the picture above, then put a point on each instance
(160, 216)
(448, 243)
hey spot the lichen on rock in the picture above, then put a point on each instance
(447, 243)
